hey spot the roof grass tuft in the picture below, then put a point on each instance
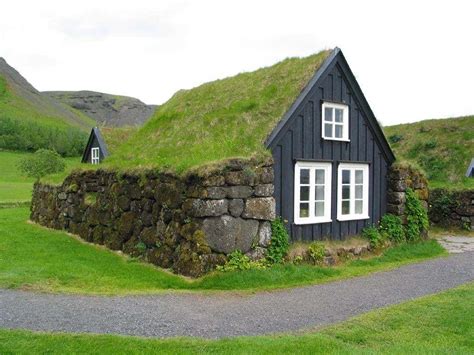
(228, 118)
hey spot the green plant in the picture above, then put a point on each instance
(316, 252)
(42, 163)
(141, 247)
(391, 228)
(372, 234)
(417, 218)
(238, 261)
(279, 242)
(90, 198)
(395, 138)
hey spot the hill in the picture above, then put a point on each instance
(30, 120)
(443, 148)
(106, 109)
(226, 118)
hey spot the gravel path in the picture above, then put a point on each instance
(227, 314)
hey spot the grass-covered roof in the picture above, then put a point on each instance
(225, 118)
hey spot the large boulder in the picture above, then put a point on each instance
(225, 234)
(260, 208)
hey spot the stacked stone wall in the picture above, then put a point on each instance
(452, 208)
(188, 224)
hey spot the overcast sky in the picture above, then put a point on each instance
(413, 60)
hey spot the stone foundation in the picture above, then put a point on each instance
(401, 178)
(187, 224)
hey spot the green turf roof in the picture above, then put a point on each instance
(222, 119)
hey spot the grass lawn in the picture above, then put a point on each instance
(36, 258)
(440, 323)
(15, 188)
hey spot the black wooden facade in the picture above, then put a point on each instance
(298, 138)
(95, 141)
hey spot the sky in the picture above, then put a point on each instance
(414, 60)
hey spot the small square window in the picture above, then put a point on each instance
(335, 121)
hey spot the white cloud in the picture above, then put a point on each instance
(412, 59)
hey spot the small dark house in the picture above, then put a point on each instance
(331, 157)
(96, 149)
(470, 169)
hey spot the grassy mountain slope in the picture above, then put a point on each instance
(443, 148)
(30, 120)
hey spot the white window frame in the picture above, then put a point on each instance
(95, 155)
(312, 166)
(344, 124)
(352, 167)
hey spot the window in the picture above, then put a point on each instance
(95, 156)
(353, 192)
(312, 192)
(335, 121)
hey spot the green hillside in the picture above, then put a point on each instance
(443, 148)
(30, 120)
(217, 120)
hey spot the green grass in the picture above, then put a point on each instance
(440, 323)
(218, 120)
(442, 148)
(15, 188)
(33, 257)
(116, 136)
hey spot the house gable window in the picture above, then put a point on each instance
(312, 192)
(335, 121)
(352, 192)
(95, 157)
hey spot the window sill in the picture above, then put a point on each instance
(337, 139)
(312, 221)
(351, 218)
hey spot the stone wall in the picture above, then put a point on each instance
(187, 224)
(400, 178)
(452, 208)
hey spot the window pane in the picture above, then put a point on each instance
(304, 210)
(328, 130)
(304, 176)
(319, 176)
(345, 207)
(339, 113)
(358, 191)
(319, 193)
(358, 206)
(338, 132)
(304, 193)
(346, 176)
(328, 114)
(346, 191)
(359, 178)
(319, 209)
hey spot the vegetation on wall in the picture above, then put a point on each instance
(442, 148)
(225, 118)
(417, 218)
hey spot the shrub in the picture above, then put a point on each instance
(395, 138)
(42, 163)
(391, 228)
(237, 261)
(279, 243)
(373, 236)
(316, 252)
(417, 218)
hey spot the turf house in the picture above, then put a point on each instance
(96, 148)
(210, 170)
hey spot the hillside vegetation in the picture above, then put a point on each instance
(30, 120)
(443, 148)
(217, 120)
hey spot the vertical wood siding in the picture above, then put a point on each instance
(301, 139)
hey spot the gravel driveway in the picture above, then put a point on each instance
(228, 314)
